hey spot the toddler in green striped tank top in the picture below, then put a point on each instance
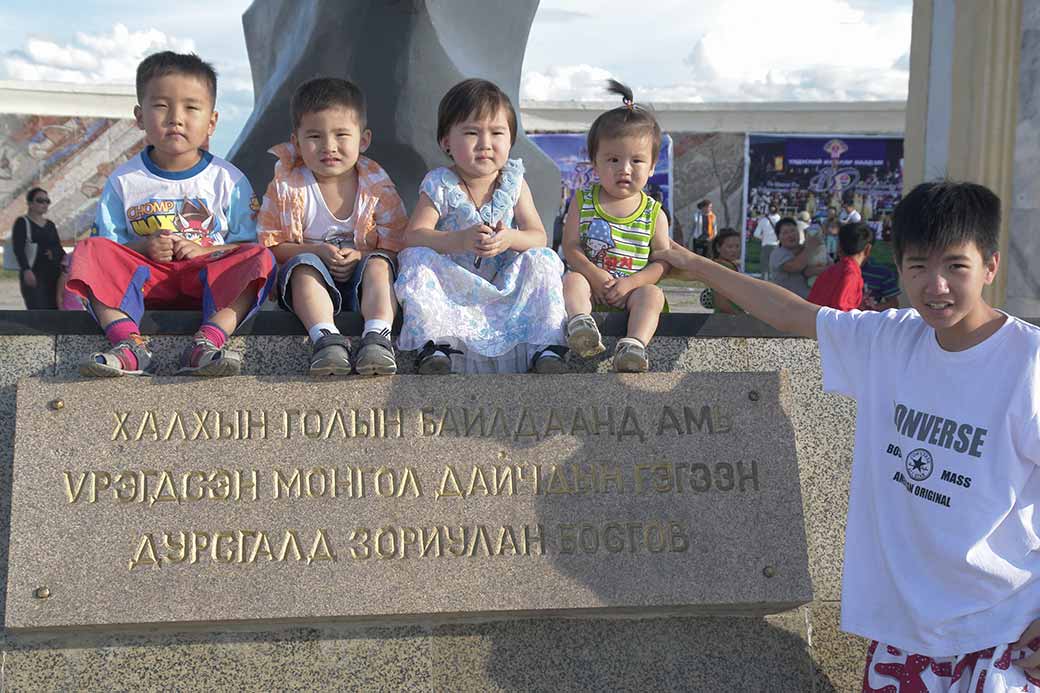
(611, 228)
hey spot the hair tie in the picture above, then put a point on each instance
(629, 104)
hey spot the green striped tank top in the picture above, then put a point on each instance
(618, 245)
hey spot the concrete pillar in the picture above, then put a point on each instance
(963, 106)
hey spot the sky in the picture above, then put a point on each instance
(684, 50)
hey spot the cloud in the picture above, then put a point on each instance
(578, 82)
(747, 50)
(110, 58)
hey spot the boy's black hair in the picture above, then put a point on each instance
(169, 63)
(940, 214)
(322, 93)
(720, 238)
(32, 193)
(854, 238)
(703, 203)
(773, 209)
(627, 120)
(478, 98)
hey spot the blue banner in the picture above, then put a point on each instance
(569, 153)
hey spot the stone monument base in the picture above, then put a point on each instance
(797, 650)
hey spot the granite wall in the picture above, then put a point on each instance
(799, 650)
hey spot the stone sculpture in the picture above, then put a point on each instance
(404, 54)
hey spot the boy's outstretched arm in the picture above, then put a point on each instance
(768, 302)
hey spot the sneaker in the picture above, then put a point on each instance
(113, 361)
(630, 356)
(583, 336)
(435, 359)
(203, 358)
(550, 361)
(330, 355)
(376, 355)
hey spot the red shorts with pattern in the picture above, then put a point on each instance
(891, 670)
(122, 278)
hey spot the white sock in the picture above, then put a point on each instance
(380, 326)
(630, 340)
(315, 332)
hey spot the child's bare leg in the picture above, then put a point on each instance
(228, 318)
(106, 315)
(377, 291)
(644, 311)
(310, 297)
(378, 304)
(577, 294)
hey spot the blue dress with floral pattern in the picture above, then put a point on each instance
(498, 314)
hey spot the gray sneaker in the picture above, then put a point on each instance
(583, 336)
(630, 357)
(330, 356)
(376, 355)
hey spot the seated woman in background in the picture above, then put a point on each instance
(725, 250)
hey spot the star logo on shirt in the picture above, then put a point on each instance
(919, 464)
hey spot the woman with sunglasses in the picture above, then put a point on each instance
(38, 271)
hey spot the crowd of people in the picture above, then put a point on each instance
(806, 257)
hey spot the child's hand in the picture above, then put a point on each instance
(617, 294)
(159, 246)
(495, 243)
(470, 239)
(329, 254)
(344, 269)
(183, 249)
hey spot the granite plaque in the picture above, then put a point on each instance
(153, 501)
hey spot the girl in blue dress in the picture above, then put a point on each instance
(480, 292)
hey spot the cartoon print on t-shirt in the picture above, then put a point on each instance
(195, 222)
(599, 241)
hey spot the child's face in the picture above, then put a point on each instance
(479, 146)
(330, 141)
(624, 164)
(945, 286)
(729, 249)
(177, 117)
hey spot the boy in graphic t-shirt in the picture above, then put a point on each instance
(942, 556)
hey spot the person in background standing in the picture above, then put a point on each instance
(849, 215)
(707, 220)
(37, 275)
(803, 220)
(765, 231)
